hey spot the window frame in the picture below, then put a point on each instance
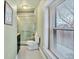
(54, 28)
(46, 49)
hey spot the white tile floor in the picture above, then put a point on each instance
(25, 53)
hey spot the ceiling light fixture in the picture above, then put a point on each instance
(26, 7)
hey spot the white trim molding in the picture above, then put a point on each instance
(16, 56)
(43, 55)
(49, 54)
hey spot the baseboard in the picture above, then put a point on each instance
(44, 57)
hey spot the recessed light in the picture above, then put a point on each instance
(24, 7)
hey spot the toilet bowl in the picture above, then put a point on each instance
(33, 44)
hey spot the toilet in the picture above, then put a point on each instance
(32, 45)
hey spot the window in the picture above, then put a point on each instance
(62, 41)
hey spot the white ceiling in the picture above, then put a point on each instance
(30, 3)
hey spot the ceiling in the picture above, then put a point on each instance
(28, 3)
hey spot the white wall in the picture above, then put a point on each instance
(40, 22)
(10, 35)
(39, 11)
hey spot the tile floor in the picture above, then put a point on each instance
(25, 53)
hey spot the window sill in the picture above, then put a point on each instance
(49, 54)
(53, 54)
(68, 29)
